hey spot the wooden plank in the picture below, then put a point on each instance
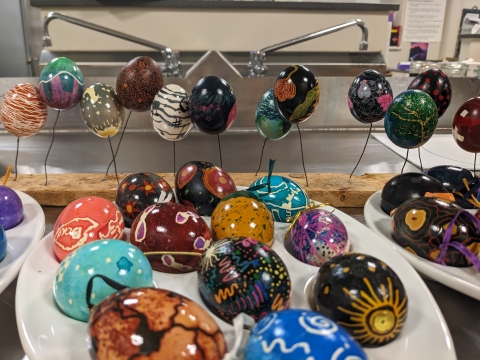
(336, 189)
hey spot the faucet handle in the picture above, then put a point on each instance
(256, 68)
(172, 66)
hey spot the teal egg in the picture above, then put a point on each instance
(411, 119)
(270, 124)
(285, 198)
(115, 259)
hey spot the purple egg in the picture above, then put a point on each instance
(11, 208)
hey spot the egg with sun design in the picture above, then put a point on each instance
(364, 295)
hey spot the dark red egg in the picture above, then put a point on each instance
(170, 227)
(466, 126)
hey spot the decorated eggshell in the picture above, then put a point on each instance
(285, 199)
(23, 111)
(296, 93)
(3, 244)
(242, 214)
(169, 113)
(317, 236)
(153, 324)
(101, 110)
(85, 220)
(213, 105)
(138, 83)
(200, 185)
(300, 334)
(138, 191)
(466, 125)
(436, 84)
(61, 84)
(270, 124)
(363, 295)
(11, 208)
(411, 119)
(171, 227)
(243, 275)
(407, 186)
(419, 225)
(115, 259)
(369, 97)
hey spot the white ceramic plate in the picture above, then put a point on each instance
(48, 334)
(22, 239)
(466, 280)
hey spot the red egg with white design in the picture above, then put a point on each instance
(85, 220)
(170, 228)
(466, 126)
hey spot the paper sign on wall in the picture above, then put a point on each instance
(424, 20)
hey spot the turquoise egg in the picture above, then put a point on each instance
(285, 198)
(115, 259)
(3, 243)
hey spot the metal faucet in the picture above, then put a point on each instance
(256, 67)
(171, 68)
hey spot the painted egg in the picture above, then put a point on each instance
(300, 334)
(138, 83)
(243, 214)
(285, 198)
(153, 324)
(200, 185)
(11, 208)
(23, 111)
(140, 190)
(243, 275)
(419, 226)
(169, 113)
(3, 244)
(369, 97)
(296, 93)
(85, 220)
(172, 228)
(407, 186)
(466, 126)
(317, 236)
(411, 119)
(364, 295)
(270, 124)
(101, 110)
(213, 105)
(61, 84)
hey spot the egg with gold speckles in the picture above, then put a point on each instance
(115, 259)
(243, 275)
(363, 295)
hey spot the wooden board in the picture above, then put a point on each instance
(336, 189)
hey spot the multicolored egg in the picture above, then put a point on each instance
(169, 113)
(213, 105)
(23, 111)
(242, 214)
(101, 110)
(363, 295)
(138, 83)
(140, 190)
(153, 324)
(61, 84)
(369, 97)
(11, 208)
(300, 334)
(419, 225)
(171, 228)
(466, 125)
(3, 244)
(243, 275)
(411, 119)
(85, 220)
(317, 236)
(114, 259)
(296, 93)
(270, 124)
(200, 185)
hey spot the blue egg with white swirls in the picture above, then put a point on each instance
(3, 244)
(114, 259)
(285, 199)
(301, 335)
